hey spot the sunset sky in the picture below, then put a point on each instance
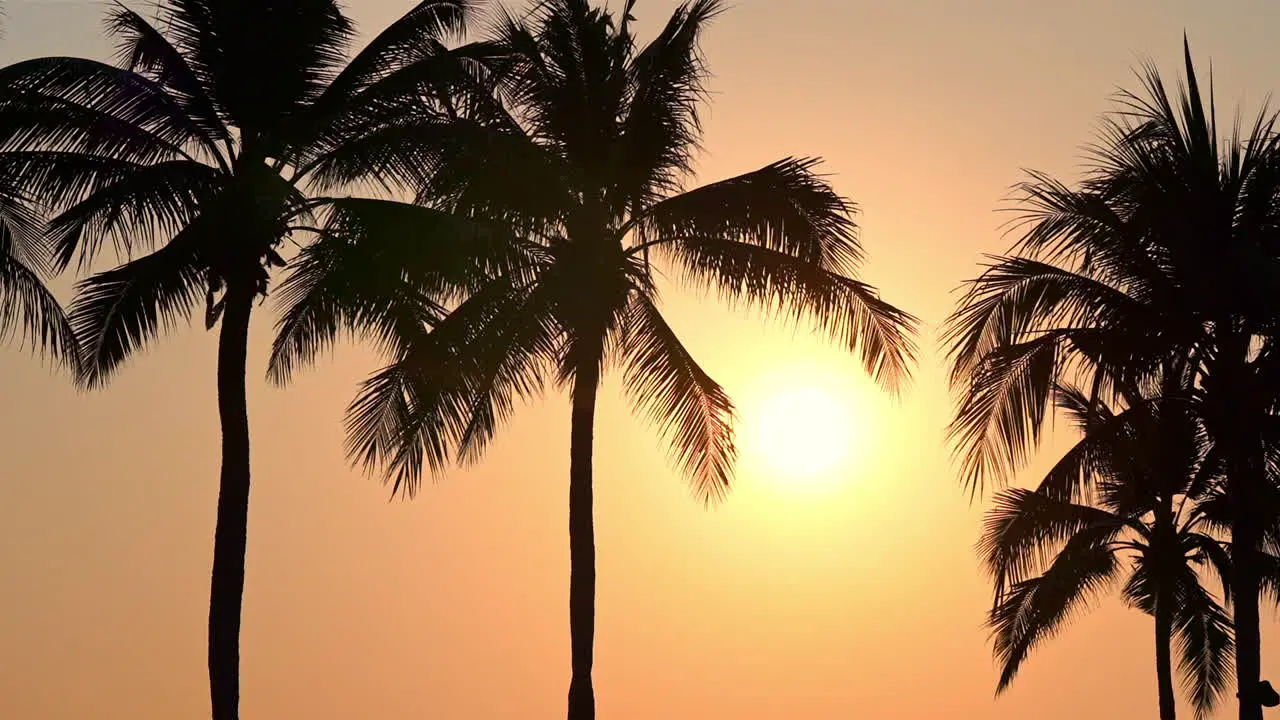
(847, 593)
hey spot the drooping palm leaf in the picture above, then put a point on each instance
(1025, 530)
(29, 310)
(121, 310)
(692, 410)
(850, 312)
(1033, 610)
(443, 397)
(1205, 643)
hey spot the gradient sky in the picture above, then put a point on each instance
(860, 597)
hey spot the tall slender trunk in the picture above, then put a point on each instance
(1232, 410)
(226, 588)
(582, 541)
(1244, 589)
(1164, 657)
(1236, 410)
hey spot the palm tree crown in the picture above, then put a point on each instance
(1124, 502)
(203, 151)
(580, 140)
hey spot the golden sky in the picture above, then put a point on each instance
(853, 596)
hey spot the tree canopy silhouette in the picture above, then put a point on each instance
(575, 142)
(1166, 250)
(1123, 503)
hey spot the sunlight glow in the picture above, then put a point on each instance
(802, 433)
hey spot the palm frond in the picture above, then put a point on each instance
(386, 271)
(1143, 586)
(394, 119)
(849, 312)
(1024, 530)
(784, 207)
(29, 310)
(77, 105)
(692, 410)
(566, 80)
(425, 25)
(499, 174)
(1269, 576)
(335, 285)
(1206, 551)
(1035, 609)
(143, 49)
(1065, 226)
(662, 127)
(1002, 412)
(446, 249)
(1205, 643)
(148, 204)
(450, 389)
(59, 179)
(1074, 477)
(117, 312)
(22, 237)
(1016, 298)
(1085, 411)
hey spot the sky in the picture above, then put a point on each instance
(854, 593)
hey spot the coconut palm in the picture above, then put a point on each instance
(1165, 250)
(1123, 503)
(582, 151)
(212, 141)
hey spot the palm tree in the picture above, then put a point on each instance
(1123, 502)
(579, 141)
(212, 142)
(1166, 250)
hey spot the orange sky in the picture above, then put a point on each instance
(856, 598)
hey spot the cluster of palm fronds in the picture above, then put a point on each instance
(1142, 303)
(514, 195)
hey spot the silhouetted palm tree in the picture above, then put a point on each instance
(1122, 502)
(1166, 250)
(210, 145)
(585, 157)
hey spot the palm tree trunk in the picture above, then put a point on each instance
(582, 542)
(1233, 416)
(227, 582)
(1244, 589)
(1164, 657)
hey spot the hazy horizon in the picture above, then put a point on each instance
(859, 596)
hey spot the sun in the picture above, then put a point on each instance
(803, 433)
